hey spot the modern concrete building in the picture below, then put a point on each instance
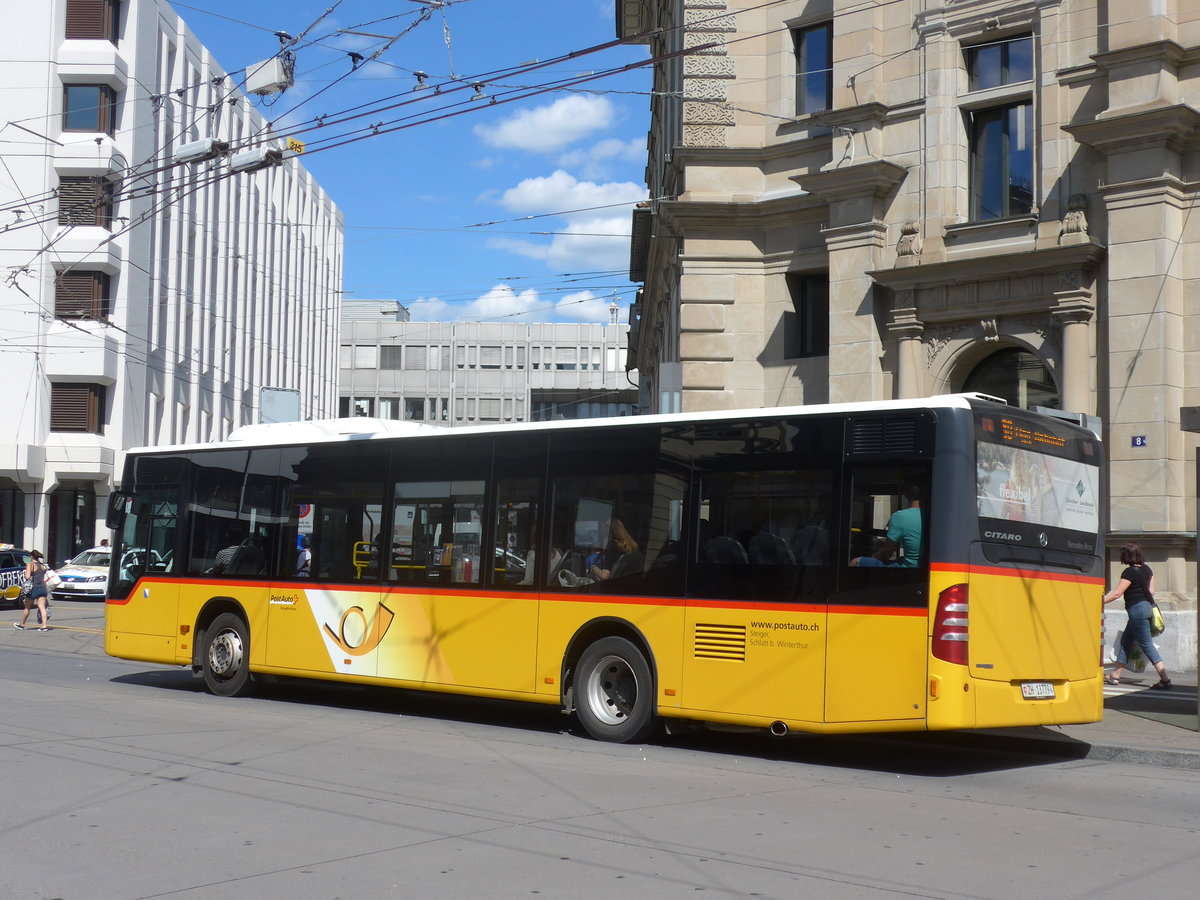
(868, 199)
(150, 291)
(464, 373)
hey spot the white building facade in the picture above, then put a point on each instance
(465, 373)
(147, 300)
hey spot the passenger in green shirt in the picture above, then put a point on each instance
(903, 533)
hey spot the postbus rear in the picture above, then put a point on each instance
(1015, 631)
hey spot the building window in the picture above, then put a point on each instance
(1002, 161)
(415, 358)
(389, 407)
(89, 107)
(364, 406)
(806, 329)
(93, 20)
(414, 409)
(489, 409)
(1001, 136)
(489, 357)
(343, 407)
(1009, 61)
(77, 408)
(814, 68)
(81, 295)
(389, 357)
(1017, 376)
(85, 200)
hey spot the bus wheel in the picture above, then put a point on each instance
(614, 692)
(226, 662)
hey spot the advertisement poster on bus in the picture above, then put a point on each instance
(1022, 486)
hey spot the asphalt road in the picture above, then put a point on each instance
(124, 780)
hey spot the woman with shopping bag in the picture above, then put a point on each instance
(1137, 587)
(35, 577)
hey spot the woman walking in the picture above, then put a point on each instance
(35, 574)
(1137, 587)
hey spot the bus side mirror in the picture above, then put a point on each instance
(118, 505)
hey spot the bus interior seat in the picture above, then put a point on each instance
(768, 549)
(725, 551)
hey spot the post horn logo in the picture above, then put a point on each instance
(372, 632)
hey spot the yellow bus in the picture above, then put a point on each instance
(896, 566)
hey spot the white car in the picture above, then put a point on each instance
(85, 577)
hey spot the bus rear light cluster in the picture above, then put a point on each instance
(950, 625)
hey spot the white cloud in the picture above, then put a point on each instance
(596, 161)
(546, 129)
(583, 307)
(562, 191)
(596, 237)
(499, 303)
(583, 244)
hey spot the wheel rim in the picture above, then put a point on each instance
(611, 690)
(225, 654)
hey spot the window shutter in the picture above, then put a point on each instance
(489, 409)
(76, 407)
(389, 358)
(84, 200)
(489, 357)
(91, 20)
(417, 358)
(365, 356)
(81, 295)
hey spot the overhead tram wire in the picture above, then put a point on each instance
(376, 130)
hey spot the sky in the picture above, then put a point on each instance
(516, 209)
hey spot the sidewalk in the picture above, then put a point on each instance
(1139, 726)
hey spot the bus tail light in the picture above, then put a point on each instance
(950, 625)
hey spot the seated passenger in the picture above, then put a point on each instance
(626, 556)
(903, 533)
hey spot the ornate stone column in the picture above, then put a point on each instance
(908, 331)
(1073, 313)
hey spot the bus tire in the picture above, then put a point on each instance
(226, 658)
(614, 692)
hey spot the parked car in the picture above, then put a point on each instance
(85, 577)
(12, 572)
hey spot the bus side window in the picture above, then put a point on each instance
(437, 528)
(887, 517)
(338, 512)
(517, 533)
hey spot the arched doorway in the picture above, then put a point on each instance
(1017, 376)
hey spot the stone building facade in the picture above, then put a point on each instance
(866, 200)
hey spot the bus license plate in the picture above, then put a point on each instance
(1037, 690)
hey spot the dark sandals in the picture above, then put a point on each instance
(1108, 679)
(1163, 685)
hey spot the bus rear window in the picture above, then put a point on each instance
(1036, 486)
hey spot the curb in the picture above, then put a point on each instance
(1067, 747)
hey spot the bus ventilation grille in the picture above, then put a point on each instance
(884, 436)
(721, 642)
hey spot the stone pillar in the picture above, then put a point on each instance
(857, 241)
(1074, 315)
(908, 330)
